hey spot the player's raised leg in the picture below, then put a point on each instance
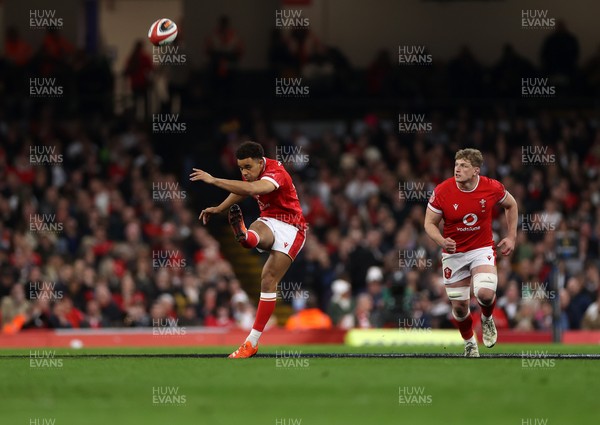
(459, 294)
(485, 281)
(275, 268)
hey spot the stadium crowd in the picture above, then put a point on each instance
(95, 233)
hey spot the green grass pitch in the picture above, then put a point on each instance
(291, 390)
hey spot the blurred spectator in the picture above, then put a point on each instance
(110, 310)
(465, 75)
(309, 318)
(560, 54)
(16, 50)
(508, 72)
(224, 49)
(341, 306)
(138, 70)
(362, 311)
(222, 319)
(591, 70)
(15, 309)
(302, 44)
(93, 316)
(380, 74)
(281, 60)
(579, 302)
(383, 302)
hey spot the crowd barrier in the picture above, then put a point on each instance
(190, 337)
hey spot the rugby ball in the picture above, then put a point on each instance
(162, 31)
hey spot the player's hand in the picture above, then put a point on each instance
(202, 176)
(507, 246)
(206, 213)
(449, 245)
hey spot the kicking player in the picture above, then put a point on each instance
(280, 229)
(465, 203)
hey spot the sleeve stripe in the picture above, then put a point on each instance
(504, 197)
(435, 210)
(271, 180)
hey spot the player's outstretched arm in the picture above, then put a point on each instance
(243, 188)
(432, 228)
(204, 216)
(511, 211)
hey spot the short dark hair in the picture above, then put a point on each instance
(250, 150)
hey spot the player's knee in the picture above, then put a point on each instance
(484, 287)
(460, 311)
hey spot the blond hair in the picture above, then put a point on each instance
(474, 156)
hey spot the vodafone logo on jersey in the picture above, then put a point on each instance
(470, 219)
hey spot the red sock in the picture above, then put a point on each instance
(251, 240)
(465, 326)
(266, 306)
(487, 310)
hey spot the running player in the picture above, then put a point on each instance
(465, 203)
(280, 229)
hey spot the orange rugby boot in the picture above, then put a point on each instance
(236, 220)
(245, 351)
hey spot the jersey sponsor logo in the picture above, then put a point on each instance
(455, 207)
(470, 219)
(447, 272)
